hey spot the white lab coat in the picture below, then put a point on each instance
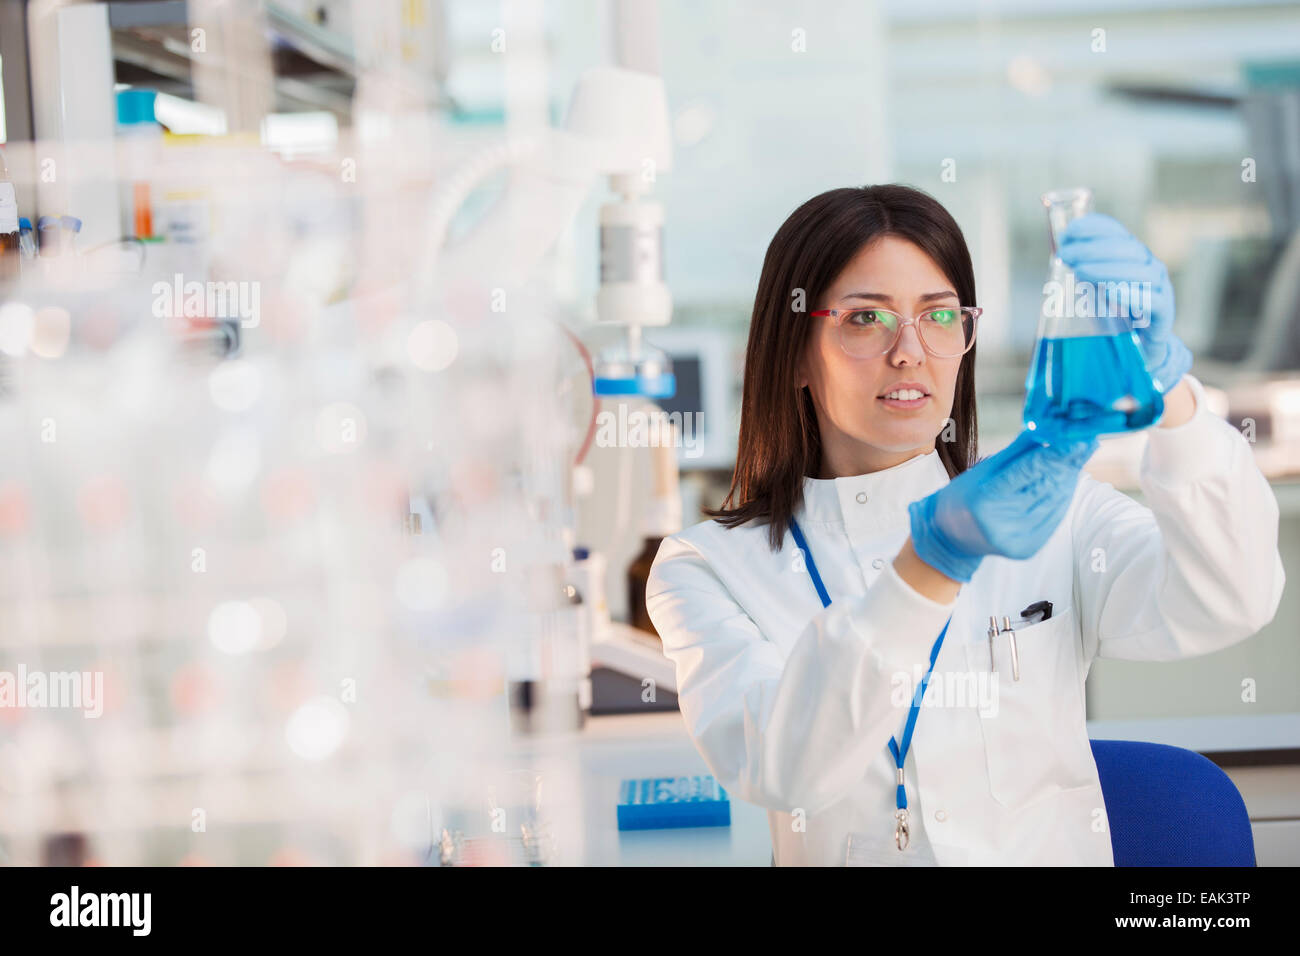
(792, 704)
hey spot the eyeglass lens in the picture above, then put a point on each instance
(867, 332)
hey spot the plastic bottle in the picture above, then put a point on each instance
(49, 233)
(71, 227)
(141, 135)
(26, 238)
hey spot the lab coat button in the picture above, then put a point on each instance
(878, 563)
(941, 815)
(862, 497)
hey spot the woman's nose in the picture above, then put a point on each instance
(907, 346)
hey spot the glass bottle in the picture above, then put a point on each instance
(10, 255)
(638, 576)
(1087, 377)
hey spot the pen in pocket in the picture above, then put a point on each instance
(1036, 613)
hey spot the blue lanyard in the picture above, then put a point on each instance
(901, 831)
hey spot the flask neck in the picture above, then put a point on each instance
(1063, 207)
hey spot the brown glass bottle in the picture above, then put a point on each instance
(638, 573)
(10, 258)
(10, 262)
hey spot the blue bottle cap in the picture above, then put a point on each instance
(70, 222)
(24, 223)
(47, 222)
(136, 106)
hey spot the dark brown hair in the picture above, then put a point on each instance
(780, 442)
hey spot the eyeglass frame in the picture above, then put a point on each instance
(975, 311)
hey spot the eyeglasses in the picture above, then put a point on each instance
(944, 332)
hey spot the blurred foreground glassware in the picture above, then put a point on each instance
(509, 828)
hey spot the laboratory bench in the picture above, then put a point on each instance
(636, 746)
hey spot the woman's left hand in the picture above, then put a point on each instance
(1100, 250)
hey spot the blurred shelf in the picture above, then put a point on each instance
(315, 67)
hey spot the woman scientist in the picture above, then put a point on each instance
(861, 535)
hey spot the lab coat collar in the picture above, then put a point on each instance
(875, 501)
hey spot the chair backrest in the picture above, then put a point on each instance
(1171, 807)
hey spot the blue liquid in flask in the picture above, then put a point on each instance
(1084, 386)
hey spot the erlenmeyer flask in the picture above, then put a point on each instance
(1087, 377)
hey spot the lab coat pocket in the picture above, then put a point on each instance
(1034, 734)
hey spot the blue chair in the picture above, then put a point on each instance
(1171, 807)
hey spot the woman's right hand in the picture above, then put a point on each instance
(1007, 504)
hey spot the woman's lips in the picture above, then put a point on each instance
(900, 403)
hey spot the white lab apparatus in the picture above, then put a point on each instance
(589, 578)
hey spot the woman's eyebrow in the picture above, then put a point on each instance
(928, 297)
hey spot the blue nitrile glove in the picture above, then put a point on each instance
(1007, 504)
(1099, 249)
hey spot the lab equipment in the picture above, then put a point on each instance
(1073, 383)
(663, 803)
(548, 679)
(1008, 504)
(417, 626)
(73, 115)
(71, 227)
(10, 256)
(26, 239)
(632, 107)
(705, 366)
(141, 135)
(632, 292)
(617, 126)
(1087, 377)
(588, 576)
(634, 368)
(50, 236)
(1104, 254)
(507, 825)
